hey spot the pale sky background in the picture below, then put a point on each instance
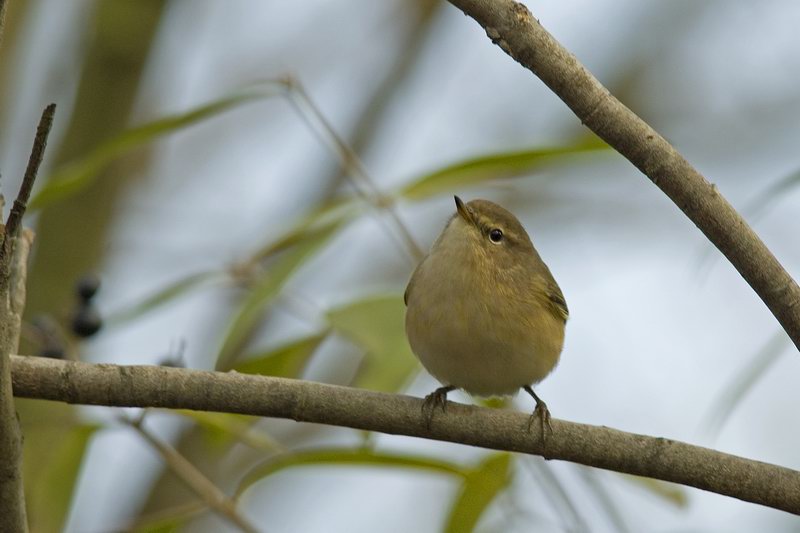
(660, 323)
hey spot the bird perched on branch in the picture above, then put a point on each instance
(484, 312)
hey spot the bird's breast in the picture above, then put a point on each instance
(477, 331)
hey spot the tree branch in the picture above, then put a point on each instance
(303, 401)
(195, 480)
(512, 27)
(14, 251)
(12, 301)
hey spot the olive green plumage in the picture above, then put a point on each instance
(484, 312)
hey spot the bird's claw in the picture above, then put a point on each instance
(543, 414)
(437, 398)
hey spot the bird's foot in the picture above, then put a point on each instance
(542, 413)
(437, 398)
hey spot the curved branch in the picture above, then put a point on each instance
(303, 401)
(512, 27)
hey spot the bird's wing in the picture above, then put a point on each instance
(557, 301)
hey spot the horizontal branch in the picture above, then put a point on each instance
(304, 401)
(512, 27)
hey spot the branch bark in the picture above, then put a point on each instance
(14, 251)
(303, 401)
(512, 27)
(12, 302)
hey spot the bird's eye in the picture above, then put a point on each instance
(496, 236)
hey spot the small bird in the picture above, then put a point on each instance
(484, 312)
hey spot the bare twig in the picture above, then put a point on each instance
(512, 27)
(363, 184)
(601, 447)
(13, 272)
(194, 479)
(21, 202)
(375, 111)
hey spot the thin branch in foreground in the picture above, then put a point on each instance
(13, 273)
(512, 27)
(194, 479)
(303, 401)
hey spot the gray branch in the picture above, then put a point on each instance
(14, 250)
(303, 401)
(512, 27)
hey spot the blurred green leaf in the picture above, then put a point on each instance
(222, 427)
(169, 520)
(76, 175)
(377, 325)
(738, 388)
(50, 494)
(495, 166)
(166, 294)
(670, 492)
(267, 288)
(479, 490)
(334, 213)
(345, 457)
(287, 361)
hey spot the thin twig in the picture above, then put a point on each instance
(512, 27)
(361, 181)
(194, 479)
(601, 447)
(414, 42)
(21, 202)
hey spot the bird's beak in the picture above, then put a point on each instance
(463, 211)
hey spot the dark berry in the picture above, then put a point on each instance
(86, 321)
(87, 287)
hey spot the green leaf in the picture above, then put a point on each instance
(49, 495)
(78, 174)
(222, 427)
(287, 361)
(166, 294)
(494, 166)
(345, 457)
(267, 288)
(479, 490)
(377, 325)
(737, 388)
(670, 492)
(334, 213)
(169, 520)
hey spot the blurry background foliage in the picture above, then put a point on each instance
(222, 206)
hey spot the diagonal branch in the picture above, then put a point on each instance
(512, 27)
(195, 480)
(601, 447)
